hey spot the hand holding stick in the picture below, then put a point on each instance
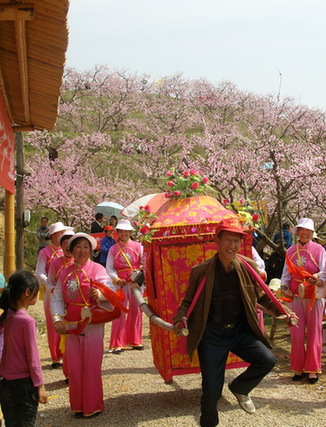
(181, 328)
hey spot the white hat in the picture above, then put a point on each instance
(318, 239)
(304, 223)
(66, 233)
(124, 224)
(274, 284)
(58, 226)
(91, 239)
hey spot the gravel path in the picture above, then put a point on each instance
(136, 395)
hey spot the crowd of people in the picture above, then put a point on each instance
(220, 306)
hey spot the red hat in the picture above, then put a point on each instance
(108, 228)
(230, 224)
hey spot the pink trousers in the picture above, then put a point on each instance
(53, 336)
(84, 354)
(306, 346)
(127, 329)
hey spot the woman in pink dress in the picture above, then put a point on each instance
(84, 350)
(56, 266)
(124, 257)
(306, 359)
(45, 258)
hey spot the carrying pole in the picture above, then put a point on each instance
(144, 307)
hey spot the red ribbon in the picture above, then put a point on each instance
(253, 273)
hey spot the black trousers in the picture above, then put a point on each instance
(19, 402)
(213, 351)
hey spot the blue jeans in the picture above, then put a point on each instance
(213, 351)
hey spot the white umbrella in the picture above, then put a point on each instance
(109, 209)
(133, 209)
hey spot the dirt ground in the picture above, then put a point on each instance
(136, 395)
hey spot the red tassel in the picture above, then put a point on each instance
(81, 326)
(120, 294)
(285, 299)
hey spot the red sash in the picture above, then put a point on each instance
(302, 273)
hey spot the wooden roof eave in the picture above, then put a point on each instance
(32, 46)
(22, 62)
(19, 13)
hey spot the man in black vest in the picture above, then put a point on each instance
(97, 228)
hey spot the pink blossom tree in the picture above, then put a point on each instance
(157, 138)
(98, 100)
(122, 132)
(73, 183)
(273, 151)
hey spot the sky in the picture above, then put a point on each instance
(262, 46)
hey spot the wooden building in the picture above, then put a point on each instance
(33, 44)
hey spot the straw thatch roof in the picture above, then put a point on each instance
(33, 43)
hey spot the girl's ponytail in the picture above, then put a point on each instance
(4, 304)
(18, 283)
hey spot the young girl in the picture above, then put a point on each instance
(22, 385)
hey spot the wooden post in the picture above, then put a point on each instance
(19, 141)
(9, 258)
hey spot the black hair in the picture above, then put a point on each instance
(45, 217)
(286, 225)
(98, 215)
(114, 217)
(75, 241)
(18, 283)
(63, 238)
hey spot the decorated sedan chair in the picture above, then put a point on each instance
(182, 236)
